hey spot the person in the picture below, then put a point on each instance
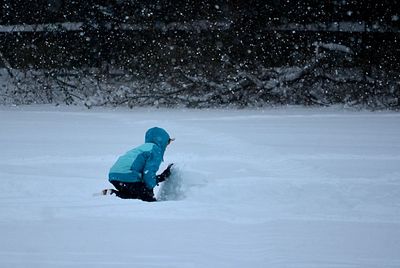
(134, 173)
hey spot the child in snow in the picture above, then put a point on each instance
(134, 173)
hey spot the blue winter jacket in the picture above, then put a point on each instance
(142, 163)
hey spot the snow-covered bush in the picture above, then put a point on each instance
(329, 76)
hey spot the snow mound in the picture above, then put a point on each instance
(172, 188)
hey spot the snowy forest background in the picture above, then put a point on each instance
(242, 53)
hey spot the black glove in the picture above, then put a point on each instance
(165, 174)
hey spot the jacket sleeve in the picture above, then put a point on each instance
(151, 167)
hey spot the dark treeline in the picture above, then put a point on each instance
(256, 11)
(258, 26)
(203, 53)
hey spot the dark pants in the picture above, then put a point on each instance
(134, 190)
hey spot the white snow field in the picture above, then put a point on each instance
(287, 187)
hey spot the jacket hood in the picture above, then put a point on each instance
(157, 136)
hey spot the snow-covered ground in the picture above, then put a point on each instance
(290, 187)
